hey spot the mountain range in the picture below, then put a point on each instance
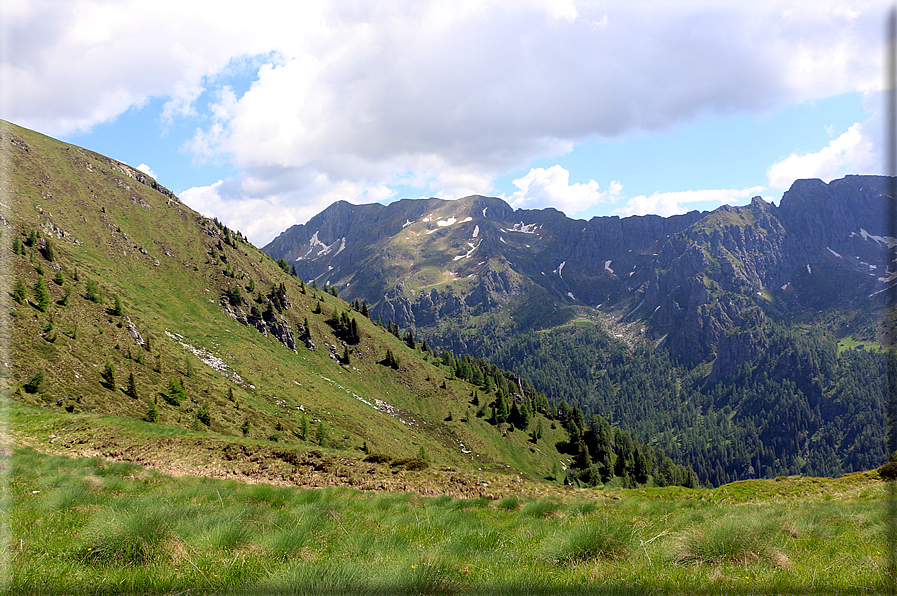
(751, 295)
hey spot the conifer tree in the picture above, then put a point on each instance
(59, 279)
(204, 414)
(48, 251)
(41, 295)
(175, 394)
(321, 434)
(108, 375)
(18, 292)
(117, 309)
(92, 292)
(303, 428)
(16, 245)
(131, 388)
(152, 415)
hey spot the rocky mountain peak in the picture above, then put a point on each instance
(697, 281)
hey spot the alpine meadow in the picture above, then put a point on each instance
(438, 397)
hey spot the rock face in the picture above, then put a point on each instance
(269, 322)
(705, 283)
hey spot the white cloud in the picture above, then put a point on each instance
(365, 93)
(147, 170)
(551, 188)
(856, 151)
(673, 203)
(263, 207)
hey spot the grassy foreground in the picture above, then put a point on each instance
(92, 526)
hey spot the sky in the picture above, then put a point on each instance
(262, 114)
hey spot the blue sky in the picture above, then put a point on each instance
(263, 117)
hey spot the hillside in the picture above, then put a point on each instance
(167, 338)
(137, 280)
(743, 341)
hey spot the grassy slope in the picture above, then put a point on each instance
(90, 526)
(114, 231)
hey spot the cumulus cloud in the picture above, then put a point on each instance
(147, 170)
(856, 151)
(364, 93)
(673, 203)
(264, 206)
(551, 188)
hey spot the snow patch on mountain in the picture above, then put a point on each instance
(885, 240)
(560, 269)
(523, 228)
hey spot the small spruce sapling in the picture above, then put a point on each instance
(41, 295)
(204, 415)
(59, 279)
(92, 292)
(321, 434)
(175, 394)
(19, 293)
(131, 388)
(108, 375)
(35, 383)
(423, 454)
(303, 428)
(152, 414)
(117, 308)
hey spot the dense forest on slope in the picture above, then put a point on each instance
(802, 407)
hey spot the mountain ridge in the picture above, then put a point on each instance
(712, 290)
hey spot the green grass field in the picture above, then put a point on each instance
(89, 526)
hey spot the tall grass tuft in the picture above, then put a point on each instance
(509, 504)
(272, 496)
(429, 576)
(732, 539)
(542, 509)
(139, 537)
(590, 541)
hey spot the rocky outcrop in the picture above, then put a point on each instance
(269, 323)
